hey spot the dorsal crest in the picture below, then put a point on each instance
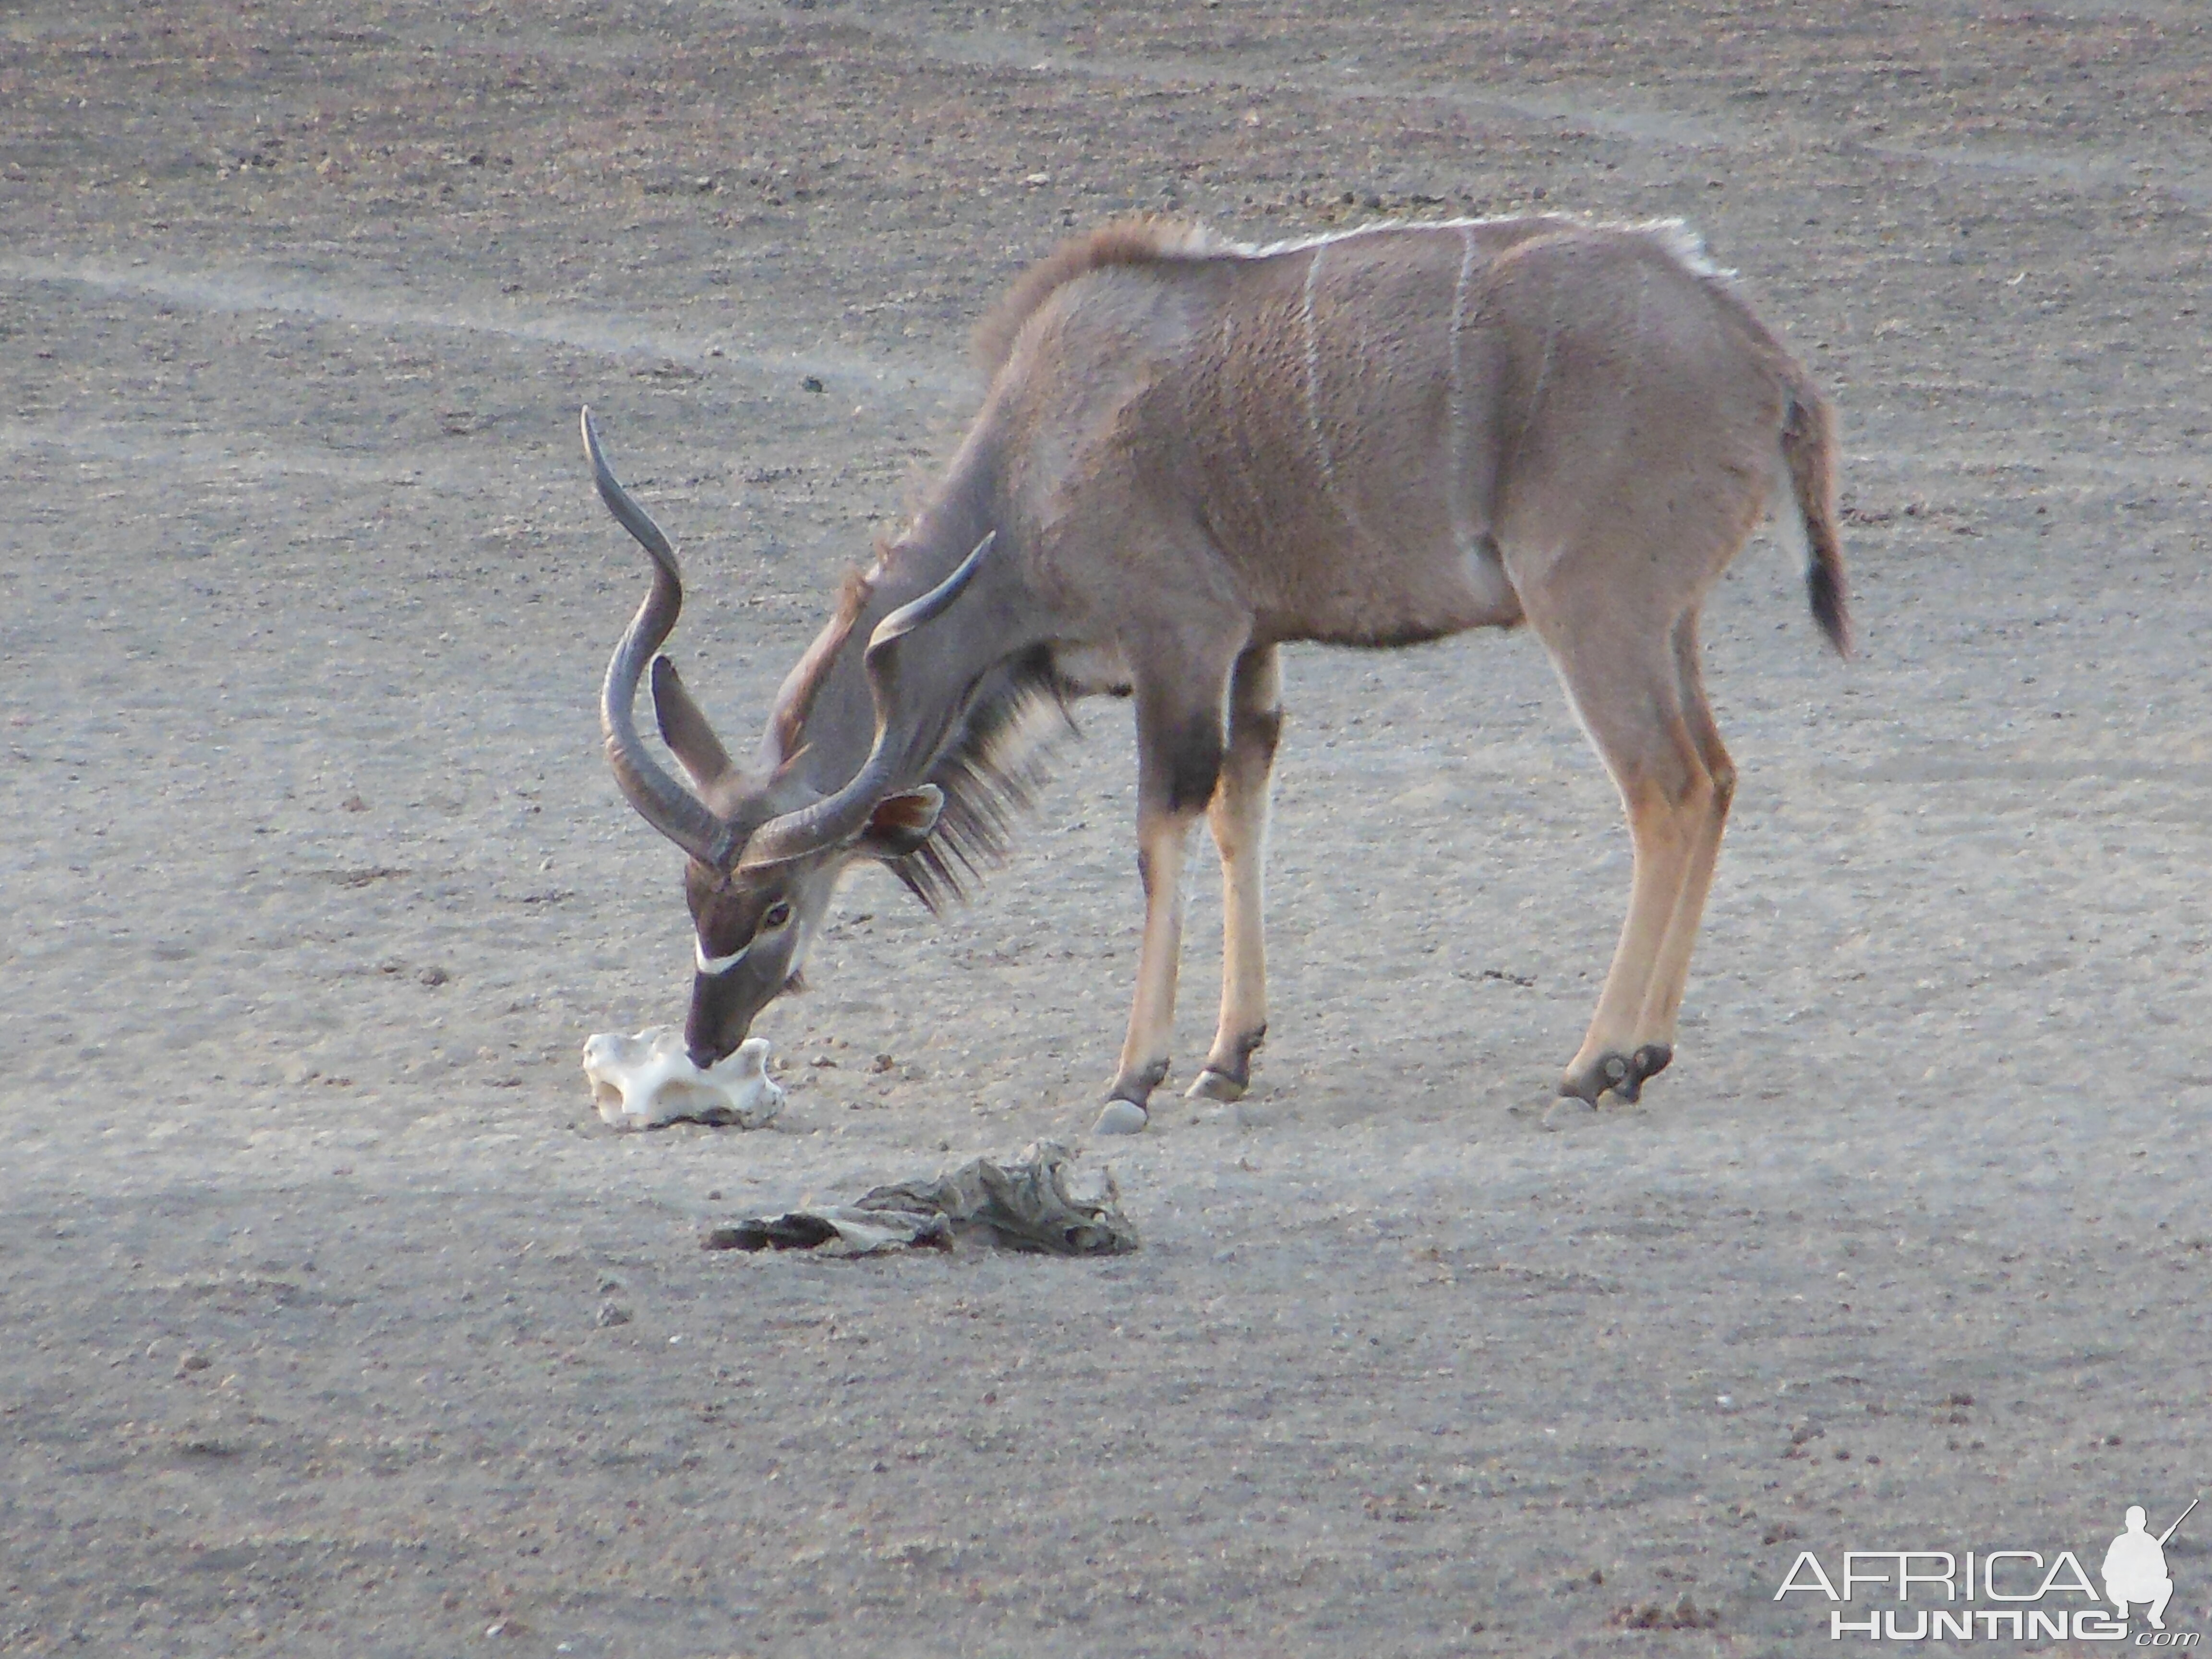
(1138, 241)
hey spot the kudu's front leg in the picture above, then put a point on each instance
(1179, 753)
(1238, 817)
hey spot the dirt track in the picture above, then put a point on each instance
(314, 881)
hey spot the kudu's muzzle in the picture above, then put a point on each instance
(723, 1009)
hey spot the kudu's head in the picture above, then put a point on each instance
(766, 844)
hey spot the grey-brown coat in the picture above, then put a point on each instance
(1191, 454)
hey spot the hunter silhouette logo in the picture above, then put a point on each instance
(2135, 1566)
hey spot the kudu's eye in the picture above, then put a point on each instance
(778, 914)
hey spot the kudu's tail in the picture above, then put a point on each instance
(1808, 454)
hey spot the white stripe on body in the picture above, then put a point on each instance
(1313, 372)
(1322, 451)
(1462, 532)
(1682, 243)
(1393, 227)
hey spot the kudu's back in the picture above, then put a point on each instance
(1394, 434)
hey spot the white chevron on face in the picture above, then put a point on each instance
(711, 965)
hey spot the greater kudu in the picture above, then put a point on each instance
(1191, 454)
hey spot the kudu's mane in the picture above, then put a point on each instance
(1141, 241)
(990, 772)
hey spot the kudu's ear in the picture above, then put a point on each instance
(901, 822)
(690, 739)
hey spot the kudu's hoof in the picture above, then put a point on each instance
(1623, 1076)
(1647, 1063)
(1210, 1085)
(1227, 1079)
(1121, 1117)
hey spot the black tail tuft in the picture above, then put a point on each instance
(1808, 451)
(1823, 586)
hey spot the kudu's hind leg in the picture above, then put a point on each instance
(1670, 973)
(1627, 691)
(1238, 818)
(1179, 752)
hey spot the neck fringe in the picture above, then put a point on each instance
(990, 772)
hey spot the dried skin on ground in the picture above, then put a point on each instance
(317, 1258)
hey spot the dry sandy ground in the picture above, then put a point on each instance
(314, 881)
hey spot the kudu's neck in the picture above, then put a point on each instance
(941, 662)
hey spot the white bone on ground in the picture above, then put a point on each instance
(641, 1082)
